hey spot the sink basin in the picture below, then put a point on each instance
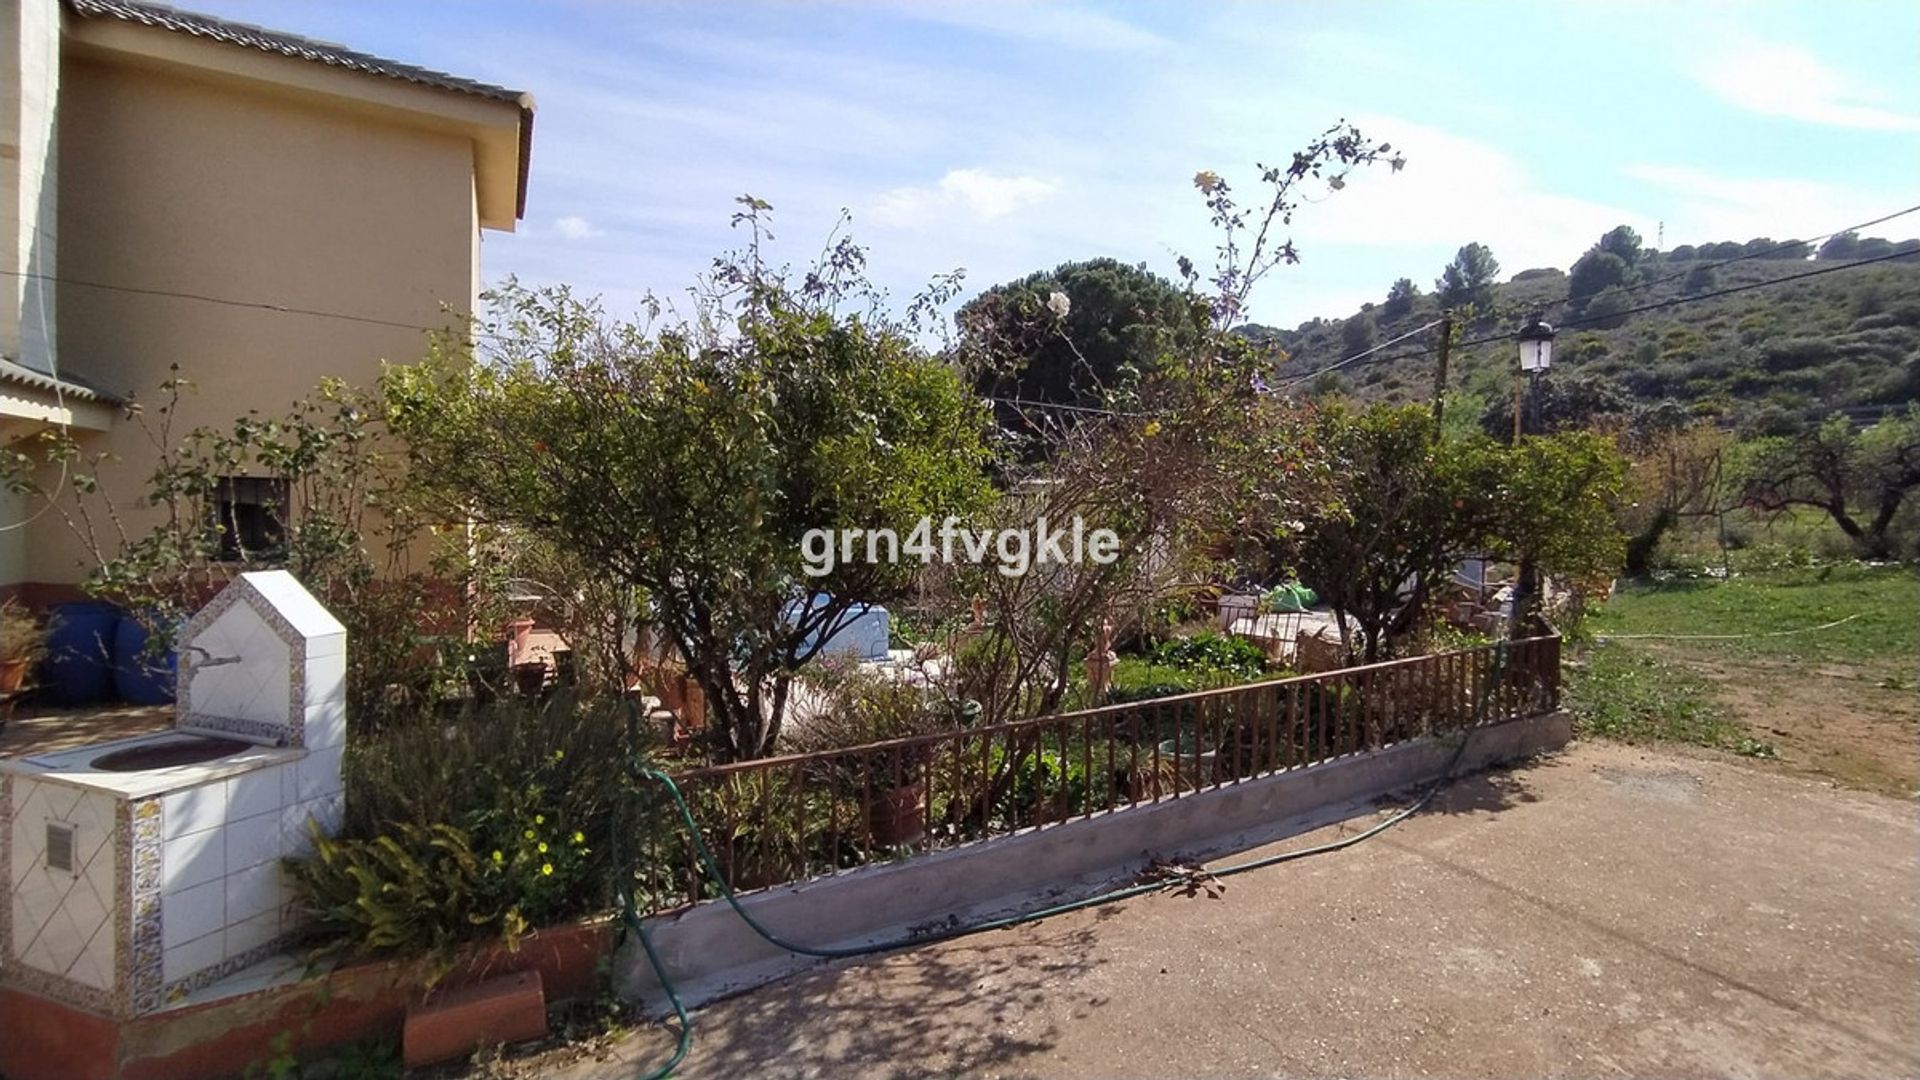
(166, 755)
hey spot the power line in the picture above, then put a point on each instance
(1363, 355)
(256, 305)
(1674, 302)
(1761, 254)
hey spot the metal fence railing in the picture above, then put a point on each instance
(782, 819)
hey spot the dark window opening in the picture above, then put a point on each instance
(251, 513)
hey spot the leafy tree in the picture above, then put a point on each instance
(1357, 333)
(1683, 253)
(1469, 278)
(1553, 507)
(1405, 510)
(1562, 402)
(1699, 279)
(693, 462)
(1860, 479)
(1840, 246)
(1675, 470)
(1408, 507)
(1594, 271)
(1400, 300)
(1113, 319)
(1606, 311)
(1874, 247)
(1623, 243)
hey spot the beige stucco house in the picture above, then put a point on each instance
(261, 209)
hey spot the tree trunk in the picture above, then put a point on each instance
(1640, 548)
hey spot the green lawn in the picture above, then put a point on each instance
(1751, 666)
(1884, 603)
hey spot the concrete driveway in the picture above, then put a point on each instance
(1609, 911)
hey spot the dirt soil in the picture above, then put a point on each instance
(1609, 911)
(1857, 725)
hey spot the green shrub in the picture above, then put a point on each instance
(509, 818)
(1209, 652)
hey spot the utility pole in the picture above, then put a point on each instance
(1440, 373)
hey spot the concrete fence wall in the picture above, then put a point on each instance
(710, 953)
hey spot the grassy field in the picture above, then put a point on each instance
(1812, 668)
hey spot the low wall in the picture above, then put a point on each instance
(710, 953)
(41, 1039)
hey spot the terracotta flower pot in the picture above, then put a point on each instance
(13, 673)
(898, 816)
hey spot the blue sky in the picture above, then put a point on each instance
(1002, 138)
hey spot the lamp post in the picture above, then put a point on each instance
(1536, 356)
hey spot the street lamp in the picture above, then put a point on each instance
(1536, 346)
(1536, 356)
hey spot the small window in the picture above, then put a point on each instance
(60, 847)
(251, 513)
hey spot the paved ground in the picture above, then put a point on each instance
(1607, 912)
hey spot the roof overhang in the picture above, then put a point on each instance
(500, 125)
(26, 394)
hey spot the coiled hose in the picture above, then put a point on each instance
(631, 918)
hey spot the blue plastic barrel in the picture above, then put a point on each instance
(78, 669)
(140, 677)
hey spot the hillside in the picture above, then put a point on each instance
(1843, 340)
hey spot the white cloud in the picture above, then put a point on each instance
(575, 228)
(1455, 190)
(1699, 206)
(975, 192)
(1062, 24)
(1783, 80)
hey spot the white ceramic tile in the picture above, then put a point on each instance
(197, 912)
(326, 677)
(326, 644)
(252, 841)
(251, 933)
(194, 809)
(319, 773)
(254, 793)
(94, 966)
(294, 603)
(57, 944)
(326, 725)
(330, 812)
(253, 891)
(196, 955)
(193, 859)
(295, 840)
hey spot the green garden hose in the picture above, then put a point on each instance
(632, 919)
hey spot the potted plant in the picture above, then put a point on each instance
(23, 641)
(860, 707)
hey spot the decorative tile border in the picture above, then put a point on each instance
(6, 868)
(232, 965)
(142, 973)
(290, 732)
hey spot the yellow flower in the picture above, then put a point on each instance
(579, 837)
(546, 869)
(528, 834)
(543, 847)
(539, 819)
(1153, 428)
(497, 857)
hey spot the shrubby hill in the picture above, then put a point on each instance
(1764, 358)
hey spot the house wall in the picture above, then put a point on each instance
(227, 190)
(29, 86)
